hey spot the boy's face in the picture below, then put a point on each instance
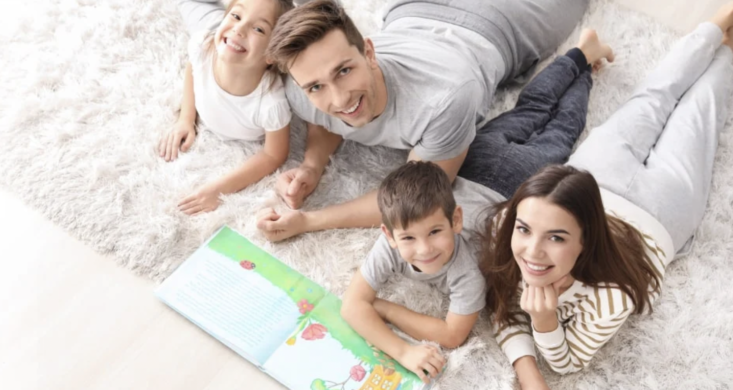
(427, 244)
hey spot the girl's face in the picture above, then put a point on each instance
(243, 35)
(546, 242)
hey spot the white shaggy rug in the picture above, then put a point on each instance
(88, 86)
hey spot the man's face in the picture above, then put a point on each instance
(339, 80)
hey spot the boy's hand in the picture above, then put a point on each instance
(280, 226)
(171, 141)
(205, 199)
(420, 358)
(294, 185)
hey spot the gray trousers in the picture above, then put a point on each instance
(657, 150)
(541, 130)
(524, 31)
(201, 15)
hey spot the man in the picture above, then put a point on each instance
(424, 84)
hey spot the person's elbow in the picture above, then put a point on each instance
(452, 339)
(349, 311)
(279, 158)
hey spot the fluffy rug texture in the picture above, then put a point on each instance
(89, 86)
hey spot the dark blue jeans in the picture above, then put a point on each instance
(541, 130)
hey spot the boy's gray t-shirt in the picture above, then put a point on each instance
(437, 90)
(460, 278)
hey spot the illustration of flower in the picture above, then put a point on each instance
(357, 373)
(314, 332)
(304, 306)
(291, 341)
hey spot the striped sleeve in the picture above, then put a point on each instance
(571, 347)
(515, 340)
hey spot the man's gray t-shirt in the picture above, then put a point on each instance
(437, 89)
(460, 278)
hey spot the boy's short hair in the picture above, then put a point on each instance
(301, 27)
(413, 192)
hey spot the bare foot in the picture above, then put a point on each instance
(593, 49)
(724, 17)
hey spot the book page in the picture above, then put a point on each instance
(325, 353)
(239, 294)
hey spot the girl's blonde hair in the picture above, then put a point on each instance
(210, 50)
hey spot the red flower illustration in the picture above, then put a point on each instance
(314, 332)
(357, 373)
(304, 306)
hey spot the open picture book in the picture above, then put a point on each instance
(279, 320)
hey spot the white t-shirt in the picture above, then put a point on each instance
(235, 117)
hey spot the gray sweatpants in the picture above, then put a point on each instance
(657, 150)
(201, 15)
(524, 31)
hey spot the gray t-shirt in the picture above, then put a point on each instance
(437, 89)
(460, 278)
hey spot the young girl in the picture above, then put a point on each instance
(585, 258)
(234, 91)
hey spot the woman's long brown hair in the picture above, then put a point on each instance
(613, 251)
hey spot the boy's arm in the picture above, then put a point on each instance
(449, 333)
(358, 311)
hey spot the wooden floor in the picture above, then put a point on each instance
(71, 319)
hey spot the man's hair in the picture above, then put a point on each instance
(413, 192)
(304, 25)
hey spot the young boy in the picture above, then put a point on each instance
(425, 238)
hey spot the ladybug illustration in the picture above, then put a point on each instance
(248, 265)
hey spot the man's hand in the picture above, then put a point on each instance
(294, 185)
(203, 200)
(280, 226)
(169, 144)
(540, 303)
(419, 358)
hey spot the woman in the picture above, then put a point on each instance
(585, 258)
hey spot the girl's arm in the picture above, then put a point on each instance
(266, 161)
(185, 128)
(188, 103)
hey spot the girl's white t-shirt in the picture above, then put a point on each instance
(235, 117)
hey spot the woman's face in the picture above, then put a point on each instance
(546, 242)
